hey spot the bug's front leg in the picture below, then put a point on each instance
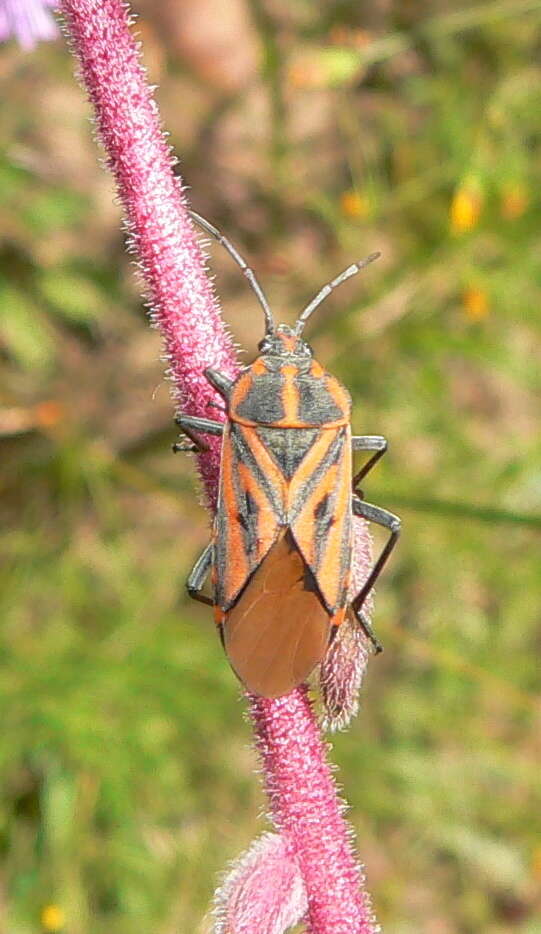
(221, 383)
(191, 425)
(391, 522)
(198, 575)
(376, 443)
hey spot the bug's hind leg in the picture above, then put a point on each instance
(389, 521)
(191, 425)
(198, 575)
(366, 627)
(376, 443)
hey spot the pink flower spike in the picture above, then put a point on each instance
(161, 232)
(27, 21)
(308, 812)
(304, 803)
(263, 892)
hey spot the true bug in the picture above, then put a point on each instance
(280, 552)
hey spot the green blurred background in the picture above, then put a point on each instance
(313, 134)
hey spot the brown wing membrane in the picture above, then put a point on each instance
(279, 629)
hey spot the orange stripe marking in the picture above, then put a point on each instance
(329, 575)
(338, 393)
(290, 395)
(309, 464)
(284, 423)
(267, 466)
(266, 527)
(237, 567)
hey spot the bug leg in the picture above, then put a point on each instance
(389, 521)
(191, 425)
(198, 576)
(188, 447)
(205, 425)
(220, 382)
(364, 623)
(216, 405)
(376, 443)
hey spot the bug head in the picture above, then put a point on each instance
(284, 342)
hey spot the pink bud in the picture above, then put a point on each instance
(263, 892)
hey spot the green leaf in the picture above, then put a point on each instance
(75, 298)
(340, 65)
(54, 209)
(22, 331)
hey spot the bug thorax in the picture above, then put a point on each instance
(285, 345)
(286, 388)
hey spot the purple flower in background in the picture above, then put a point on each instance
(27, 21)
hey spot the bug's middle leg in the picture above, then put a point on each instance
(376, 443)
(198, 575)
(391, 522)
(192, 425)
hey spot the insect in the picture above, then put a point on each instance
(281, 547)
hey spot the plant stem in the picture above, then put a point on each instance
(297, 775)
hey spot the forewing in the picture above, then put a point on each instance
(319, 508)
(278, 630)
(249, 514)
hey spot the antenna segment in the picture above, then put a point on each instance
(327, 289)
(249, 273)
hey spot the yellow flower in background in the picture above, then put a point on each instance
(536, 863)
(326, 67)
(514, 201)
(465, 209)
(305, 73)
(355, 204)
(52, 918)
(475, 304)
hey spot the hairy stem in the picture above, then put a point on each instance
(303, 795)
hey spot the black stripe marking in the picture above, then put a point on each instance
(316, 404)
(331, 457)
(263, 401)
(243, 454)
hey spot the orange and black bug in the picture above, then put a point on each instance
(280, 553)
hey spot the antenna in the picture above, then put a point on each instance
(327, 289)
(249, 273)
